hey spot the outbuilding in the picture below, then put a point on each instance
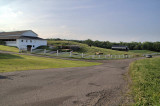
(121, 48)
(24, 40)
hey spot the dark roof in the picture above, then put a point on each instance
(119, 46)
(13, 33)
(20, 37)
(17, 35)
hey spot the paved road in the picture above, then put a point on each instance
(82, 86)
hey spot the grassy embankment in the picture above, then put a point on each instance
(145, 75)
(89, 50)
(142, 51)
(9, 63)
(8, 48)
(84, 49)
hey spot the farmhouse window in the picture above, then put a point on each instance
(33, 45)
(21, 40)
(30, 40)
(26, 40)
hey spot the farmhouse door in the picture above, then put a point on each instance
(29, 47)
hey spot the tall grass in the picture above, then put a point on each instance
(142, 51)
(145, 75)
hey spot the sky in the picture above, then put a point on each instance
(104, 20)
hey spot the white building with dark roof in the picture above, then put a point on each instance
(24, 40)
(119, 47)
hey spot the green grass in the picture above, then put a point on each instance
(145, 76)
(9, 63)
(8, 48)
(142, 51)
(89, 50)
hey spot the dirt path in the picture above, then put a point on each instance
(82, 86)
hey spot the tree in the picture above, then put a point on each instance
(89, 42)
(156, 46)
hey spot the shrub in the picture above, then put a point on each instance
(2, 42)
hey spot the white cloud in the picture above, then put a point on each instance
(9, 13)
(9, 17)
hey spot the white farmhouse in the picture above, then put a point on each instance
(24, 40)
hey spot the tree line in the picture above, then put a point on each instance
(153, 46)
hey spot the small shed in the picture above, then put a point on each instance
(120, 48)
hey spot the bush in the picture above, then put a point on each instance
(65, 50)
(2, 42)
(43, 47)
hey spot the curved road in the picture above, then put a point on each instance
(82, 86)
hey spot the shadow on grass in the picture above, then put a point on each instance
(9, 56)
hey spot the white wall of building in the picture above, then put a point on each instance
(22, 43)
(11, 43)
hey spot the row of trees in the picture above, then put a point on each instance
(153, 46)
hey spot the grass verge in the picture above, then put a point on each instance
(142, 51)
(145, 75)
(9, 63)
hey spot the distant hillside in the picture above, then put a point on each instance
(84, 48)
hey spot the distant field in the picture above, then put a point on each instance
(145, 76)
(8, 48)
(15, 62)
(89, 50)
(142, 51)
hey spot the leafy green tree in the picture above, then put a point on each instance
(89, 42)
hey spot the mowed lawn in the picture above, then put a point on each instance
(145, 76)
(9, 63)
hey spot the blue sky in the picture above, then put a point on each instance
(105, 20)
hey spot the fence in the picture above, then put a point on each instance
(81, 55)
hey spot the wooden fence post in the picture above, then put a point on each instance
(82, 55)
(31, 49)
(70, 54)
(57, 52)
(44, 51)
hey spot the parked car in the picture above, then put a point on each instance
(148, 56)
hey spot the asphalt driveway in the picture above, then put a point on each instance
(82, 86)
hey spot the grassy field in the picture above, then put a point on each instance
(142, 51)
(89, 50)
(145, 75)
(8, 48)
(15, 62)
